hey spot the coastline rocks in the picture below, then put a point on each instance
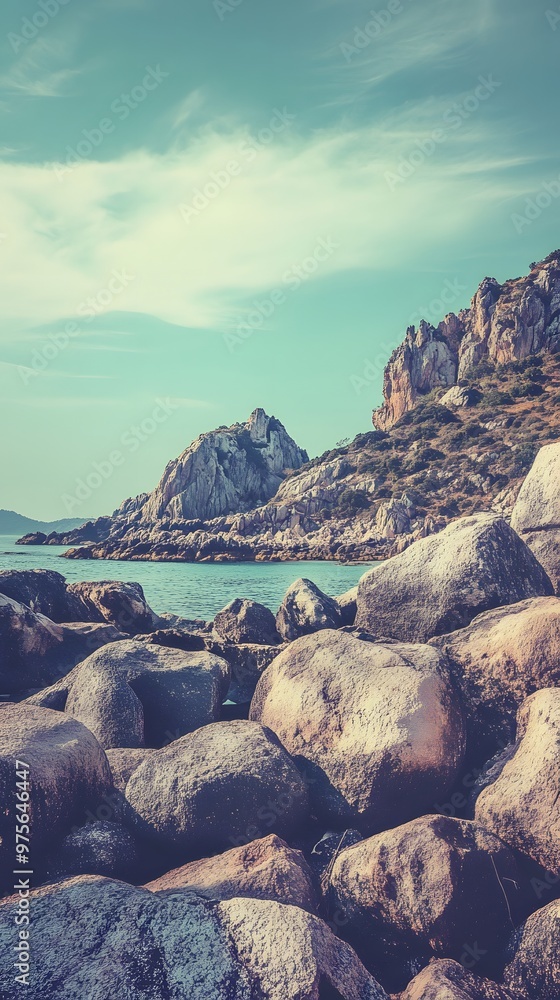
(246, 622)
(43, 591)
(440, 583)
(435, 887)
(536, 515)
(522, 806)
(131, 694)
(534, 969)
(115, 602)
(98, 938)
(377, 729)
(68, 774)
(444, 979)
(221, 786)
(32, 647)
(305, 609)
(501, 658)
(263, 869)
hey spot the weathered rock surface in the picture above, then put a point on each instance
(305, 609)
(435, 887)
(441, 583)
(522, 806)
(96, 938)
(68, 774)
(348, 604)
(132, 694)
(505, 323)
(445, 979)
(377, 729)
(534, 969)
(123, 762)
(248, 622)
(115, 602)
(501, 658)
(263, 869)
(43, 591)
(32, 647)
(536, 515)
(221, 786)
(101, 848)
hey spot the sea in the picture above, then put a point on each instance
(192, 590)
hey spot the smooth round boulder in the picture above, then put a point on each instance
(305, 609)
(500, 659)
(440, 583)
(43, 591)
(100, 848)
(221, 786)
(135, 694)
(536, 515)
(377, 729)
(534, 967)
(123, 762)
(245, 621)
(116, 602)
(522, 804)
(54, 764)
(444, 979)
(435, 887)
(263, 869)
(31, 645)
(95, 938)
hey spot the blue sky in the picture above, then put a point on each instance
(224, 205)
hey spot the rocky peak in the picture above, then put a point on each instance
(504, 323)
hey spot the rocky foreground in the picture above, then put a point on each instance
(467, 406)
(353, 799)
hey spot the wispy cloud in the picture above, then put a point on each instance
(42, 69)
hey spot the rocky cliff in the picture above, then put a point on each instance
(505, 323)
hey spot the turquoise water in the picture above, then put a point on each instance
(193, 590)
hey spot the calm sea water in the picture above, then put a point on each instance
(193, 590)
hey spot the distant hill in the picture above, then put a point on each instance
(16, 524)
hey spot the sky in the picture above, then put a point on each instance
(211, 206)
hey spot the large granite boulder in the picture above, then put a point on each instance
(305, 609)
(534, 968)
(32, 648)
(120, 604)
(132, 694)
(536, 515)
(263, 869)
(503, 656)
(444, 979)
(522, 805)
(377, 729)
(442, 582)
(100, 848)
(245, 621)
(123, 762)
(221, 786)
(42, 590)
(55, 764)
(94, 938)
(435, 887)
(348, 604)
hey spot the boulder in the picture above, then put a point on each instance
(348, 604)
(222, 786)
(522, 806)
(246, 622)
(95, 938)
(100, 848)
(120, 604)
(536, 515)
(444, 979)
(132, 694)
(440, 583)
(435, 887)
(248, 663)
(123, 763)
(503, 656)
(57, 762)
(377, 729)
(32, 648)
(534, 969)
(42, 590)
(305, 609)
(263, 869)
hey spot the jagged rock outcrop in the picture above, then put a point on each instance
(504, 323)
